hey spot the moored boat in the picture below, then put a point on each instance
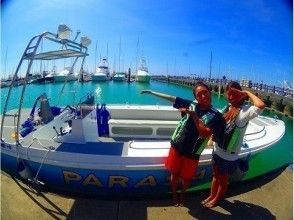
(119, 77)
(65, 75)
(142, 74)
(102, 71)
(118, 149)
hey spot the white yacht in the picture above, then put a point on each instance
(65, 74)
(142, 73)
(119, 76)
(102, 71)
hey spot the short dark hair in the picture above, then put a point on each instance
(233, 84)
(200, 83)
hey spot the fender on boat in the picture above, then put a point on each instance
(23, 169)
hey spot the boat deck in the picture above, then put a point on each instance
(260, 129)
(113, 146)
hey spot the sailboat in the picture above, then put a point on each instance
(102, 71)
(142, 72)
(119, 76)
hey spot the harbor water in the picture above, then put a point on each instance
(279, 155)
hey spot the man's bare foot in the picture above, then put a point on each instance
(210, 204)
(182, 199)
(175, 200)
(206, 200)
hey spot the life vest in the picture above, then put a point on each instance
(200, 143)
(183, 122)
(232, 135)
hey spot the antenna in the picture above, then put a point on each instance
(107, 51)
(119, 51)
(77, 34)
(210, 65)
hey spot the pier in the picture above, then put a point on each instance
(267, 197)
(276, 98)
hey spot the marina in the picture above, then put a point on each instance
(91, 148)
(80, 139)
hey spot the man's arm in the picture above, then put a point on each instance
(202, 129)
(160, 95)
(256, 101)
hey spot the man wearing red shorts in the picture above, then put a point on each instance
(188, 141)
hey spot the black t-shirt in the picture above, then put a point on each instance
(186, 137)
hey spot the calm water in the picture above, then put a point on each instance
(121, 92)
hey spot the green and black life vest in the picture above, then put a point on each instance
(232, 135)
(186, 136)
(183, 122)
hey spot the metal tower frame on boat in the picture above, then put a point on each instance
(69, 49)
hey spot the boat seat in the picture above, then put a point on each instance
(141, 128)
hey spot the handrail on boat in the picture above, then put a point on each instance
(256, 132)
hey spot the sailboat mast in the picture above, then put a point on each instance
(210, 65)
(137, 54)
(119, 51)
(95, 56)
(114, 64)
(5, 62)
(107, 51)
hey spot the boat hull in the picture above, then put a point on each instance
(118, 78)
(97, 78)
(44, 80)
(134, 182)
(128, 161)
(64, 78)
(143, 78)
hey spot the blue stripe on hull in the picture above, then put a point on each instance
(103, 182)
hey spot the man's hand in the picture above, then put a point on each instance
(239, 93)
(202, 129)
(188, 111)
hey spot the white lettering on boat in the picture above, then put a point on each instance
(92, 180)
(147, 181)
(71, 176)
(122, 181)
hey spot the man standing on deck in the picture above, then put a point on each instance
(190, 137)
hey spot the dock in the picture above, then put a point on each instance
(267, 197)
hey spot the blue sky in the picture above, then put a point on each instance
(251, 39)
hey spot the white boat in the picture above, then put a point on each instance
(5, 83)
(119, 149)
(119, 76)
(102, 71)
(101, 150)
(142, 72)
(65, 75)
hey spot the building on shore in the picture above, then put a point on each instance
(246, 83)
